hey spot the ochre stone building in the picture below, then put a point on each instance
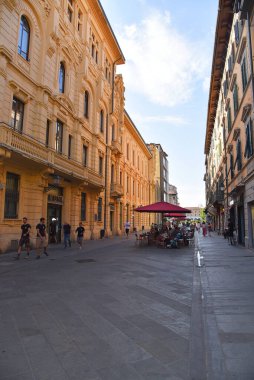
(229, 145)
(68, 149)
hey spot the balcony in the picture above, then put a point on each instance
(116, 147)
(116, 190)
(27, 149)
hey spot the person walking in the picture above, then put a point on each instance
(67, 234)
(24, 239)
(80, 234)
(209, 228)
(41, 241)
(230, 232)
(127, 226)
(204, 229)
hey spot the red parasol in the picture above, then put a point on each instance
(163, 207)
(174, 215)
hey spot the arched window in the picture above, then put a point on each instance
(61, 78)
(24, 37)
(101, 121)
(86, 110)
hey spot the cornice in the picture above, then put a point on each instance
(223, 28)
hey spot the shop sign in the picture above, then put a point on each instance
(57, 199)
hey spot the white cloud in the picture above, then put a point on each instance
(161, 63)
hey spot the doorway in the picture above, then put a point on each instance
(54, 223)
(240, 213)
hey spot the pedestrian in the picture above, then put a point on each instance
(24, 239)
(67, 234)
(198, 227)
(41, 241)
(209, 227)
(230, 232)
(127, 226)
(204, 229)
(80, 231)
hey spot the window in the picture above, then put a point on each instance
(107, 70)
(237, 33)
(133, 187)
(112, 173)
(238, 156)
(127, 184)
(86, 108)
(79, 22)
(47, 133)
(225, 87)
(244, 74)
(61, 77)
(232, 172)
(24, 38)
(121, 178)
(99, 209)
(85, 152)
(69, 146)
(127, 151)
(101, 165)
(11, 196)
(235, 99)
(83, 207)
(113, 132)
(248, 152)
(133, 157)
(101, 121)
(94, 48)
(229, 119)
(17, 114)
(59, 136)
(70, 10)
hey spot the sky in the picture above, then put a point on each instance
(168, 47)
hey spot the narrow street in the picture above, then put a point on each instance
(117, 311)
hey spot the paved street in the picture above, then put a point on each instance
(115, 311)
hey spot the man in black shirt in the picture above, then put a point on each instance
(80, 231)
(24, 239)
(41, 241)
(67, 234)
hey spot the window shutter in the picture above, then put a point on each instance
(237, 36)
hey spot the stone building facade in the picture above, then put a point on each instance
(64, 131)
(229, 136)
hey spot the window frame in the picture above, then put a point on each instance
(99, 210)
(86, 104)
(59, 136)
(11, 195)
(83, 207)
(61, 78)
(17, 111)
(85, 155)
(102, 121)
(24, 53)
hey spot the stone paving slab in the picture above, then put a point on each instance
(117, 311)
(110, 311)
(227, 279)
